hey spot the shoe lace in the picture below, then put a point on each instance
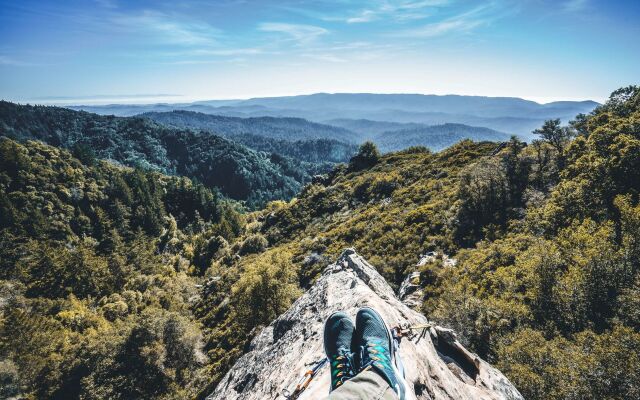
(373, 353)
(343, 367)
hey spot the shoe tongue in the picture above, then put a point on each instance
(365, 357)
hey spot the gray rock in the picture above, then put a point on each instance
(436, 365)
(410, 292)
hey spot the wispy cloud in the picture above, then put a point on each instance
(575, 5)
(343, 52)
(169, 29)
(107, 3)
(395, 10)
(229, 51)
(327, 57)
(460, 23)
(6, 60)
(300, 33)
(210, 55)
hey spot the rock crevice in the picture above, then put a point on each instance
(436, 365)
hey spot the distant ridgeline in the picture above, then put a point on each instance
(504, 114)
(283, 128)
(282, 135)
(276, 171)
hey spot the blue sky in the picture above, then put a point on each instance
(141, 51)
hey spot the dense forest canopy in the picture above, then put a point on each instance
(237, 171)
(120, 283)
(99, 268)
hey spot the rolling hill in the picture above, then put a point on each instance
(435, 137)
(291, 129)
(308, 141)
(236, 170)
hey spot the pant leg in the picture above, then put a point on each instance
(367, 385)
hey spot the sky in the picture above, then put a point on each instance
(117, 51)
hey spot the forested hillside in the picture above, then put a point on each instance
(435, 137)
(101, 265)
(291, 137)
(99, 268)
(291, 129)
(238, 172)
(319, 151)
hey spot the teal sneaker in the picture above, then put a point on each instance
(372, 341)
(338, 334)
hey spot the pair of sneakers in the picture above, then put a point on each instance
(351, 349)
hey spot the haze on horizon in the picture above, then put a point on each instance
(111, 51)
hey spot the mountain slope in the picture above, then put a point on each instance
(239, 172)
(369, 127)
(99, 267)
(436, 137)
(291, 129)
(291, 137)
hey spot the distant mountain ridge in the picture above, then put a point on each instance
(280, 135)
(506, 114)
(453, 104)
(285, 128)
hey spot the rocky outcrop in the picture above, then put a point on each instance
(436, 365)
(410, 292)
(434, 256)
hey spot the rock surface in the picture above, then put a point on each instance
(436, 365)
(410, 292)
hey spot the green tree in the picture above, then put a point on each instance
(265, 289)
(367, 156)
(558, 136)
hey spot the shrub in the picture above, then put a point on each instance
(255, 243)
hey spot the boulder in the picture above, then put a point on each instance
(436, 365)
